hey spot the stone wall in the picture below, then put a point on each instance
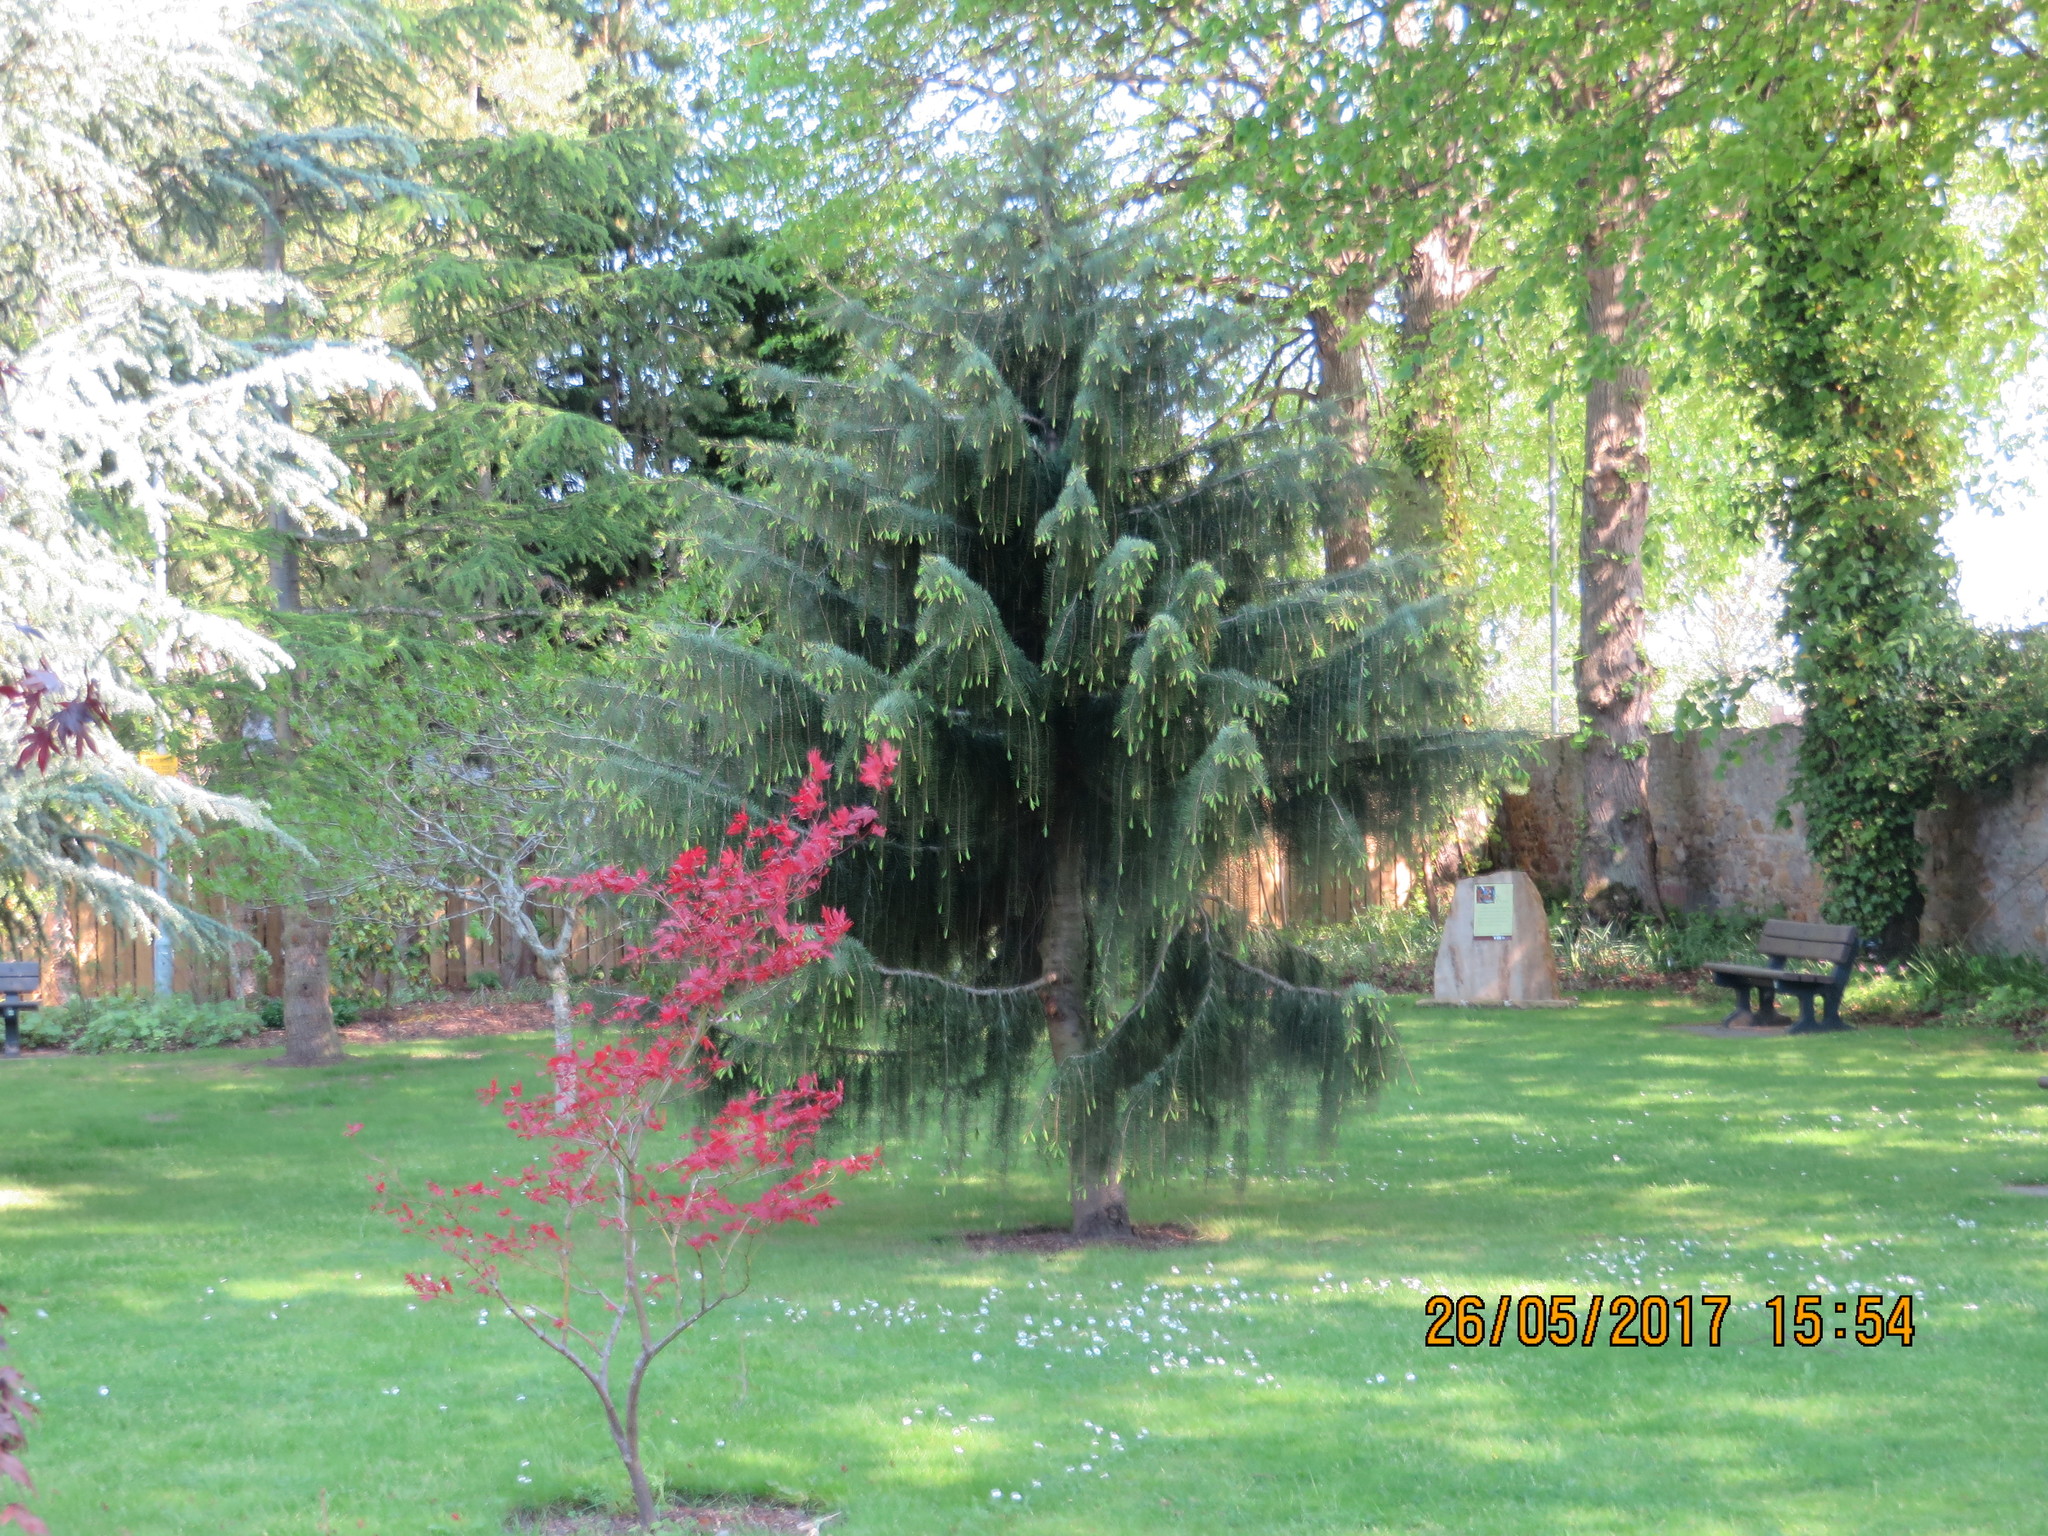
(1715, 811)
(1719, 843)
(1986, 873)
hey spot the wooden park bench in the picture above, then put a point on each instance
(1782, 941)
(18, 978)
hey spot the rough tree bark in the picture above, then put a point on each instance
(1618, 853)
(307, 933)
(1094, 1154)
(1341, 384)
(243, 986)
(61, 940)
(310, 1038)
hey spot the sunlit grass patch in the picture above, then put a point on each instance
(213, 1265)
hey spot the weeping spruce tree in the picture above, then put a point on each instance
(1027, 539)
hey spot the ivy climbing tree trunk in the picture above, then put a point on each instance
(1436, 279)
(1858, 285)
(1618, 851)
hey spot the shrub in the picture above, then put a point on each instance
(1690, 941)
(270, 1012)
(485, 981)
(1956, 986)
(128, 1022)
(1394, 948)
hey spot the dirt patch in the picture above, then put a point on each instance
(441, 1018)
(2028, 1189)
(1164, 1234)
(451, 1018)
(735, 1515)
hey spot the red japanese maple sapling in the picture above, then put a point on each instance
(617, 1240)
(15, 1411)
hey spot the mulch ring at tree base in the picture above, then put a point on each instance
(736, 1515)
(450, 1018)
(1164, 1234)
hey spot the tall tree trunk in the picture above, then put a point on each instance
(1093, 1149)
(1437, 278)
(1618, 855)
(242, 953)
(310, 1038)
(307, 933)
(61, 939)
(1341, 385)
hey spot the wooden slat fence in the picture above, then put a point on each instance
(464, 941)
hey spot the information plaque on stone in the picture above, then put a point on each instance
(1493, 911)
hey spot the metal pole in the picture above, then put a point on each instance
(1551, 529)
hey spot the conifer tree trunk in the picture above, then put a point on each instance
(61, 940)
(310, 1039)
(1094, 1153)
(309, 1034)
(242, 983)
(1618, 852)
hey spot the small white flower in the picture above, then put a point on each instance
(103, 1391)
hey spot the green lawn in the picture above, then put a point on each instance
(228, 1340)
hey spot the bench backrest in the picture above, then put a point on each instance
(20, 975)
(1830, 943)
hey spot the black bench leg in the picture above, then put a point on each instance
(1830, 1013)
(13, 1033)
(1766, 1006)
(1741, 1015)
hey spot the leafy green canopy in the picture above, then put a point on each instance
(1027, 541)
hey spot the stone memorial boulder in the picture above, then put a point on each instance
(1496, 944)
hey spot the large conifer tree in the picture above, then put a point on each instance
(1034, 542)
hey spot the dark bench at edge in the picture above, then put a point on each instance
(1783, 941)
(18, 978)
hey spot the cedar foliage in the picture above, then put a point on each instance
(1026, 541)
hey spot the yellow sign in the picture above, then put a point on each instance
(1493, 910)
(164, 763)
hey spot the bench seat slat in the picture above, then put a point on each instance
(1784, 928)
(1835, 953)
(1757, 972)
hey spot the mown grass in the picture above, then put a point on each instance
(197, 1229)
